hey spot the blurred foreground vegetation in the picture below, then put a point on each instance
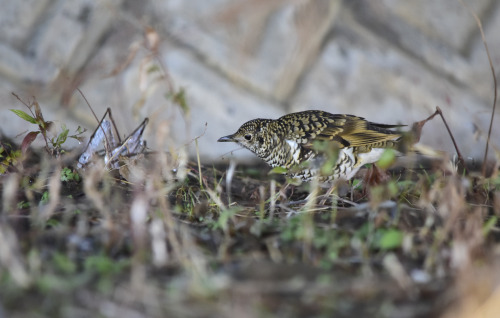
(162, 236)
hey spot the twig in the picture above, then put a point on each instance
(198, 156)
(88, 104)
(229, 179)
(197, 137)
(230, 152)
(483, 37)
(199, 163)
(290, 203)
(417, 131)
(460, 158)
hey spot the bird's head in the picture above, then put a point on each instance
(254, 135)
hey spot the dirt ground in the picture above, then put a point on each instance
(163, 237)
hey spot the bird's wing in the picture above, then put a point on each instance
(342, 130)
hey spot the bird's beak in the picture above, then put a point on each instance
(229, 138)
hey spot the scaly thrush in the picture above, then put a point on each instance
(316, 144)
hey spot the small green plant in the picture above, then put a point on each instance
(45, 198)
(294, 229)
(224, 217)
(179, 98)
(69, 175)
(375, 239)
(278, 170)
(23, 205)
(106, 269)
(8, 157)
(52, 223)
(63, 263)
(387, 159)
(388, 239)
(489, 225)
(53, 145)
(105, 265)
(332, 242)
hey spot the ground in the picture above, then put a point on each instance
(165, 237)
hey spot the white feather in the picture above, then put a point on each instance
(295, 149)
(372, 156)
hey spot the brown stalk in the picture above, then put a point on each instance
(417, 132)
(480, 25)
(460, 158)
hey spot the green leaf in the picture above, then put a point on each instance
(51, 282)
(14, 156)
(180, 99)
(45, 198)
(391, 239)
(393, 188)
(65, 174)
(489, 225)
(357, 183)
(64, 263)
(80, 130)
(24, 116)
(278, 170)
(104, 265)
(328, 166)
(28, 140)
(78, 138)
(224, 217)
(387, 159)
(23, 205)
(68, 175)
(53, 223)
(153, 68)
(62, 136)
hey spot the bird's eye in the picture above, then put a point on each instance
(248, 137)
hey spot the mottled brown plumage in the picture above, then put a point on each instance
(315, 143)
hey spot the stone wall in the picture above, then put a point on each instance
(390, 61)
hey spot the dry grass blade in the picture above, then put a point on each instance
(483, 37)
(459, 154)
(54, 196)
(229, 179)
(10, 257)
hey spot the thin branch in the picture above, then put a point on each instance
(483, 37)
(88, 104)
(417, 131)
(460, 158)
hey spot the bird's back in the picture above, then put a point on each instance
(313, 134)
(346, 130)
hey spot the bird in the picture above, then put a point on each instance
(317, 144)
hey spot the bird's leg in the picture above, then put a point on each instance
(328, 193)
(313, 193)
(375, 176)
(360, 183)
(283, 191)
